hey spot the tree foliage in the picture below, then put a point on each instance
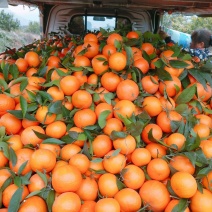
(186, 24)
(33, 27)
(7, 22)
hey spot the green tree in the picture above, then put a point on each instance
(33, 27)
(186, 24)
(7, 22)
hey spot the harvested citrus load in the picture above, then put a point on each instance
(107, 123)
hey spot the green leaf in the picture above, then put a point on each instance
(23, 104)
(17, 113)
(116, 134)
(119, 184)
(182, 109)
(198, 76)
(45, 95)
(129, 52)
(6, 183)
(40, 135)
(15, 200)
(5, 148)
(50, 200)
(3, 84)
(85, 151)
(23, 84)
(187, 94)
(115, 152)
(52, 141)
(14, 71)
(43, 177)
(17, 181)
(158, 63)
(55, 107)
(13, 157)
(34, 193)
(52, 83)
(108, 97)
(181, 206)
(97, 160)
(102, 118)
(178, 64)
(163, 74)
(191, 156)
(22, 167)
(2, 131)
(203, 172)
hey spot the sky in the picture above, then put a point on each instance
(23, 13)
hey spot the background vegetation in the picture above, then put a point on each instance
(186, 24)
(13, 35)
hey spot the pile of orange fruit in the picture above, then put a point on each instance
(105, 123)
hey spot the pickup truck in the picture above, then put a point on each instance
(122, 130)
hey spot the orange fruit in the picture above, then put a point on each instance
(69, 84)
(81, 99)
(167, 104)
(81, 60)
(80, 161)
(22, 155)
(33, 203)
(57, 129)
(9, 191)
(132, 34)
(156, 150)
(68, 150)
(66, 178)
(182, 163)
(22, 65)
(156, 131)
(183, 184)
(206, 146)
(55, 74)
(29, 133)
(112, 124)
(78, 130)
(90, 37)
(101, 145)
(91, 49)
(11, 123)
(142, 65)
(67, 202)
(201, 201)
(107, 184)
(150, 84)
(114, 37)
(103, 106)
(52, 147)
(114, 163)
(152, 105)
(140, 157)
(81, 77)
(204, 119)
(4, 175)
(32, 58)
(133, 176)
(53, 61)
(117, 61)
(84, 118)
(148, 48)
(124, 108)
(127, 90)
(108, 49)
(99, 64)
(28, 123)
(88, 189)
(88, 206)
(36, 183)
(207, 181)
(14, 142)
(164, 120)
(6, 103)
(110, 81)
(177, 140)
(202, 130)
(126, 145)
(56, 93)
(42, 160)
(172, 204)
(43, 116)
(158, 169)
(107, 204)
(128, 199)
(170, 86)
(150, 191)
